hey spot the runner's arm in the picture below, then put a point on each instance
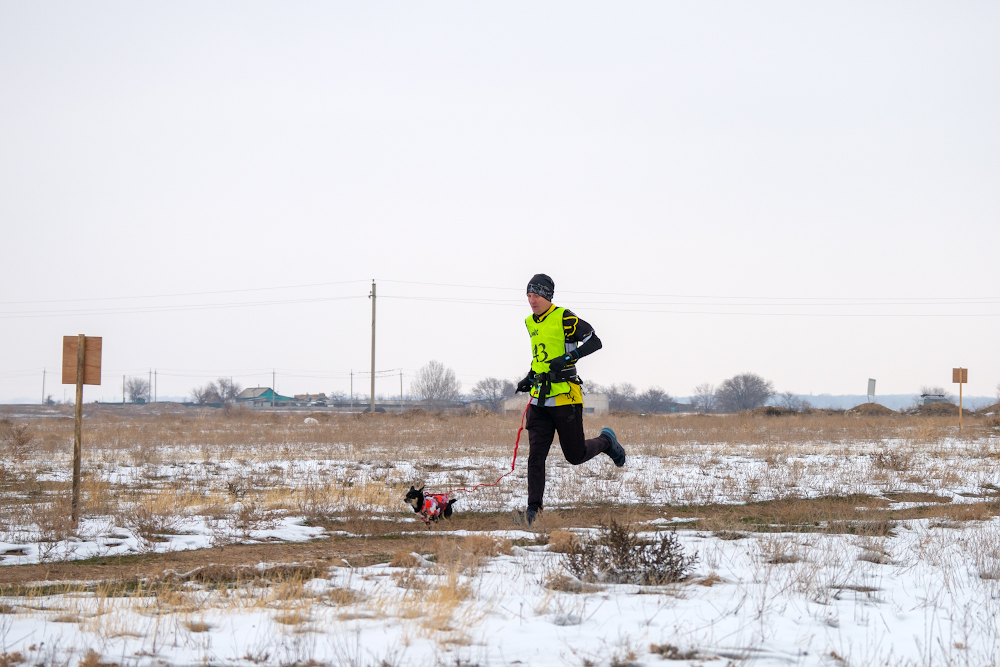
(581, 333)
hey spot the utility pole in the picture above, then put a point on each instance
(155, 385)
(372, 397)
(123, 390)
(352, 390)
(400, 388)
(149, 387)
(43, 386)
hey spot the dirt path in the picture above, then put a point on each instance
(378, 540)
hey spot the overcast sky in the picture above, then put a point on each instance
(809, 191)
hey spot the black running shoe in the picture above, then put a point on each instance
(525, 518)
(617, 452)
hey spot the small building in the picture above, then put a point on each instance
(515, 403)
(259, 396)
(934, 398)
(310, 399)
(593, 404)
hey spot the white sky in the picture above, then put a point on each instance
(767, 153)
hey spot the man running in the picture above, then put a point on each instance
(558, 339)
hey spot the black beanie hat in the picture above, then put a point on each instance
(542, 285)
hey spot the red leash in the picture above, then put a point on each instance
(512, 463)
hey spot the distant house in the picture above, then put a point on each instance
(262, 396)
(310, 399)
(515, 403)
(595, 404)
(934, 398)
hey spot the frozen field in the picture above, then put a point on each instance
(820, 540)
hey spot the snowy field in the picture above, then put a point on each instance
(921, 587)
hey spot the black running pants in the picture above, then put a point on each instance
(543, 424)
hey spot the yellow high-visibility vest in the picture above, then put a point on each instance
(548, 340)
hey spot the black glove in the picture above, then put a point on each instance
(524, 386)
(562, 362)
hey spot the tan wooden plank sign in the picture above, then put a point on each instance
(960, 375)
(91, 360)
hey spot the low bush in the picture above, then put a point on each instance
(619, 555)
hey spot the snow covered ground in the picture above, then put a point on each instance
(928, 593)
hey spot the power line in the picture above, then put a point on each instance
(164, 296)
(164, 309)
(488, 302)
(980, 299)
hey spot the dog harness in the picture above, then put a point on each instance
(434, 506)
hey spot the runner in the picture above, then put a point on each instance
(558, 340)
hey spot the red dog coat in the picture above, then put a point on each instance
(434, 506)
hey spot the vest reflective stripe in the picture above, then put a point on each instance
(548, 340)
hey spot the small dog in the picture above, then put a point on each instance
(430, 507)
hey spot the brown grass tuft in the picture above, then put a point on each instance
(563, 541)
(93, 659)
(11, 659)
(404, 559)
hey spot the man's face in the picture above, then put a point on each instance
(538, 304)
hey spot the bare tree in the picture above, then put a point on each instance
(227, 389)
(137, 388)
(654, 400)
(704, 398)
(436, 384)
(621, 396)
(791, 401)
(222, 391)
(198, 394)
(745, 391)
(338, 396)
(207, 394)
(492, 392)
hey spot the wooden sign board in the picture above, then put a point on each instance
(91, 360)
(960, 375)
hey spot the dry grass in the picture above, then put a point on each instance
(469, 553)
(404, 559)
(563, 541)
(272, 436)
(244, 470)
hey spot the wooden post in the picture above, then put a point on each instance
(78, 427)
(961, 376)
(84, 369)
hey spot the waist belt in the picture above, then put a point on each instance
(544, 381)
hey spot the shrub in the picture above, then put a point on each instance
(619, 555)
(15, 440)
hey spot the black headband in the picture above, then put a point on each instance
(542, 285)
